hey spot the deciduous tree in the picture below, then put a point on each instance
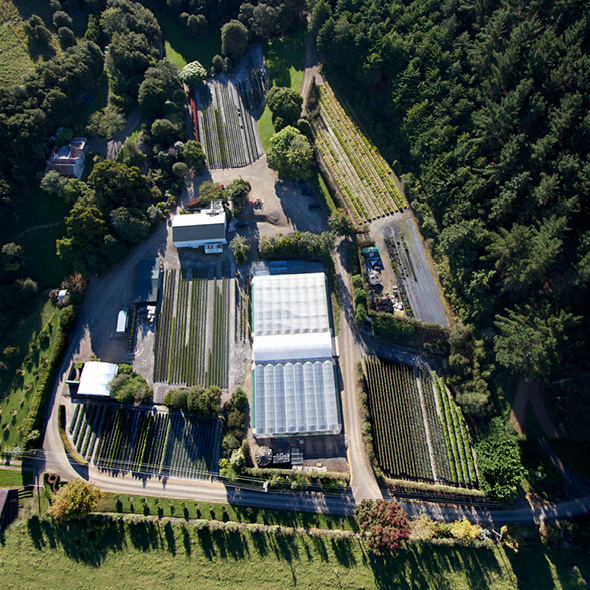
(74, 500)
(291, 154)
(384, 525)
(341, 223)
(193, 73)
(193, 154)
(285, 103)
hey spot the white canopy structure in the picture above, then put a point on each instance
(294, 387)
(95, 377)
(282, 347)
(290, 304)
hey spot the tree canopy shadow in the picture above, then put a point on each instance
(430, 566)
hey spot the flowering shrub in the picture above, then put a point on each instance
(384, 524)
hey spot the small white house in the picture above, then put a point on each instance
(68, 160)
(199, 229)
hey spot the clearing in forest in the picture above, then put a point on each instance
(192, 335)
(419, 433)
(362, 175)
(18, 58)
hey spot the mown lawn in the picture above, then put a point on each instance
(114, 554)
(285, 62)
(12, 478)
(41, 261)
(181, 48)
(170, 507)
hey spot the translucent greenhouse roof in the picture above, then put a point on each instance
(292, 347)
(290, 304)
(295, 398)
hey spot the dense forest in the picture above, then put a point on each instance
(484, 107)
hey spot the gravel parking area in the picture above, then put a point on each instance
(422, 291)
(284, 210)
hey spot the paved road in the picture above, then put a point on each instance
(363, 482)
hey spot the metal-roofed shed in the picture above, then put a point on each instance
(95, 378)
(199, 229)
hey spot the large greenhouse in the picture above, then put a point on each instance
(294, 388)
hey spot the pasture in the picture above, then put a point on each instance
(106, 553)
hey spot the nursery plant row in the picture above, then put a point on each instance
(411, 432)
(362, 174)
(192, 344)
(227, 128)
(400, 264)
(145, 441)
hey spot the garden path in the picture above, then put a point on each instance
(44, 226)
(112, 146)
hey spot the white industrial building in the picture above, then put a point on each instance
(199, 229)
(294, 386)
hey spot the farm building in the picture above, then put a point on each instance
(147, 281)
(95, 377)
(199, 229)
(68, 160)
(294, 387)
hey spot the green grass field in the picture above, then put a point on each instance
(11, 478)
(18, 55)
(113, 554)
(15, 394)
(170, 507)
(181, 48)
(16, 61)
(285, 62)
